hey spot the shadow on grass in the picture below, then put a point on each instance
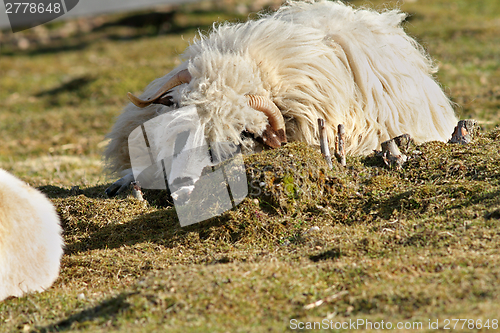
(153, 32)
(86, 210)
(488, 199)
(49, 49)
(158, 21)
(70, 86)
(106, 310)
(161, 227)
(493, 215)
(164, 23)
(54, 192)
(331, 254)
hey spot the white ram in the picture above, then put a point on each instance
(30, 239)
(275, 76)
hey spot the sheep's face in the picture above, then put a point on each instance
(202, 133)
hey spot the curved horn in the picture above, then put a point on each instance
(265, 105)
(178, 79)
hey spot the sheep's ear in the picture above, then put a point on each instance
(273, 138)
(269, 137)
(165, 100)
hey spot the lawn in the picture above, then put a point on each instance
(416, 246)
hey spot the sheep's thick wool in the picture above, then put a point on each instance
(31, 245)
(321, 59)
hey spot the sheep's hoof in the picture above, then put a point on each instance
(119, 186)
(115, 189)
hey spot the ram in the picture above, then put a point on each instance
(267, 81)
(31, 245)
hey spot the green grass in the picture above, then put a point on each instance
(409, 245)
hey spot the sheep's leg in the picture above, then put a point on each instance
(391, 153)
(341, 144)
(464, 132)
(323, 141)
(120, 185)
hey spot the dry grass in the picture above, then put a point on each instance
(369, 242)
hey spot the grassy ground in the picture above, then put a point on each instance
(364, 242)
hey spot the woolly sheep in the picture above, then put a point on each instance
(30, 239)
(275, 76)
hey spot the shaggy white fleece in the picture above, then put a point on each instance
(313, 60)
(30, 239)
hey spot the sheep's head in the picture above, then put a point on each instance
(274, 134)
(184, 171)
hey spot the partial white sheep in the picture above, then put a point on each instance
(31, 245)
(285, 70)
